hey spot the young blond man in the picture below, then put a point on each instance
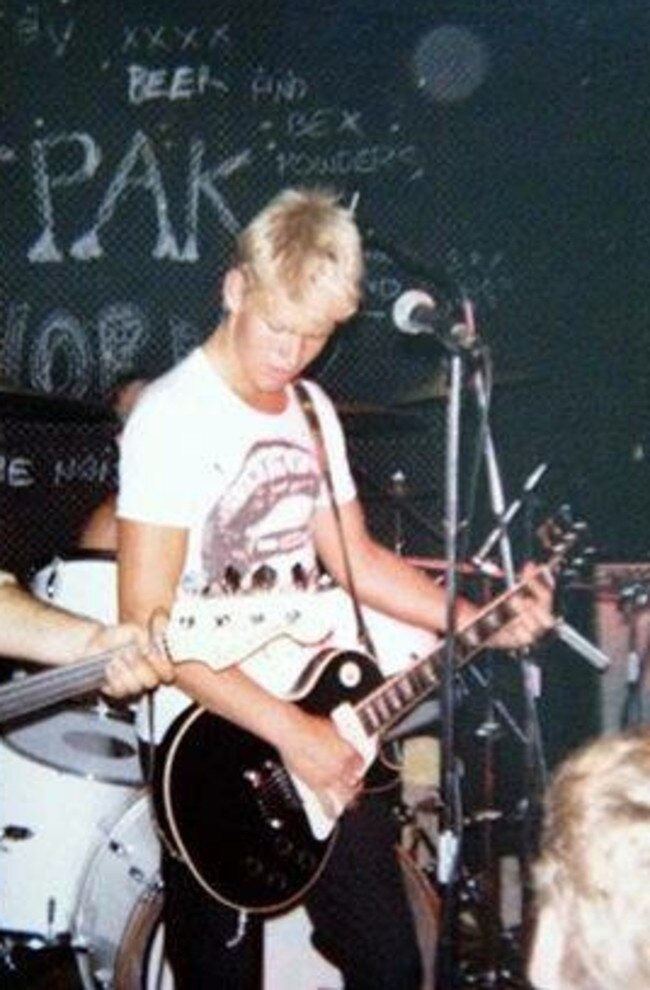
(219, 474)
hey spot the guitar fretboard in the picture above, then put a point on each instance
(391, 700)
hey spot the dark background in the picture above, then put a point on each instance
(498, 147)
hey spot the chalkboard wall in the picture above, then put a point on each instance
(496, 146)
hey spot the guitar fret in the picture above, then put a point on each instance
(405, 690)
(469, 639)
(495, 619)
(394, 701)
(382, 709)
(369, 719)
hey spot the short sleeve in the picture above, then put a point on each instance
(155, 483)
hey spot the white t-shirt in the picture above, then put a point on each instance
(245, 484)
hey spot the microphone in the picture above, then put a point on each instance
(415, 312)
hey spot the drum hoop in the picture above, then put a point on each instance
(96, 778)
(75, 556)
(415, 877)
(133, 951)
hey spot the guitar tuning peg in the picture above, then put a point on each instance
(264, 578)
(299, 577)
(231, 579)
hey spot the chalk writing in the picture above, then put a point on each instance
(345, 161)
(285, 87)
(383, 288)
(138, 170)
(121, 331)
(16, 472)
(203, 181)
(28, 26)
(60, 360)
(485, 278)
(30, 29)
(323, 123)
(183, 82)
(59, 357)
(87, 467)
(45, 249)
(17, 316)
(173, 38)
(60, 39)
(140, 155)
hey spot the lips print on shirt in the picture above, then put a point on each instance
(263, 516)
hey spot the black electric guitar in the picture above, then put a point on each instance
(251, 833)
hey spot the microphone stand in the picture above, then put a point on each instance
(450, 815)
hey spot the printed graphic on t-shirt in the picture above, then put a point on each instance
(264, 514)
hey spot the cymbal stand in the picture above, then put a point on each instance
(534, 760)
(633, 598)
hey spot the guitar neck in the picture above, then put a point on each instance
(49, 687)
(395, 697)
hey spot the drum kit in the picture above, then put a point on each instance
(79, 848)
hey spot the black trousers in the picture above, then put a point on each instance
(363, 923)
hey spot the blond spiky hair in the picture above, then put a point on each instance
(306, 243)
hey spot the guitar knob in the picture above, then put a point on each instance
(306, 860)
(284, 845)
(253, 866)
(277, 880)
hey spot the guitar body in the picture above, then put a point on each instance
(230, 810)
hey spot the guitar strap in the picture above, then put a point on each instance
(313, 421)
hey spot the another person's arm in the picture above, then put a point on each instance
(34, 630)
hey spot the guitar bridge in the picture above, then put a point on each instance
(274, 793)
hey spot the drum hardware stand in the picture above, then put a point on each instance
(397, 491)
(633, 598)
(492, 963)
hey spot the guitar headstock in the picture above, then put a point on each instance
(566, 543)
(223, 630)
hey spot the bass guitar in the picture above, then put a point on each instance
(239, 627)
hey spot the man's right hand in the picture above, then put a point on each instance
(323, 760)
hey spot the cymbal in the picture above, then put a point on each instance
(362, 416)
(437, 387)
(23, 404)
